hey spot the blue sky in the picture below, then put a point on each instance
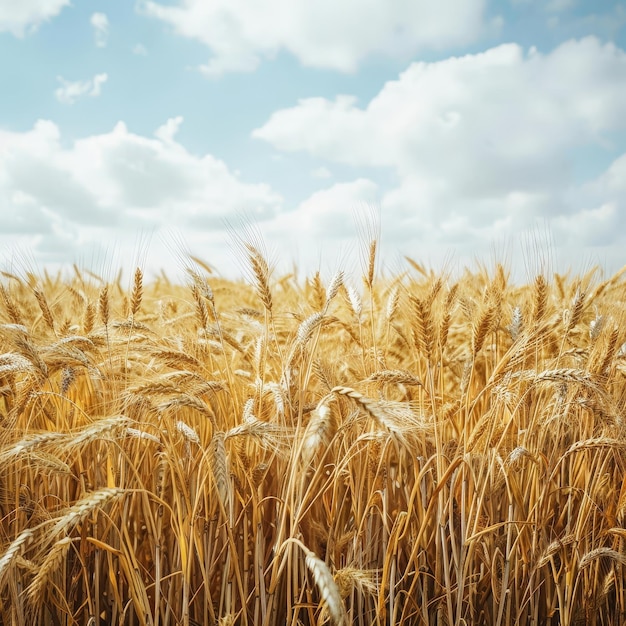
(469, 126)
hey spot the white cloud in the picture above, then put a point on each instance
(320, 232)
(498, 118)
(482, 146)
(602, 218)
(100, 23)
(478, 148)
(109, 187)
(140, 50)
(614, 179)
(326, 33)
(321, 216)
(168, 131)
(471, 126)
(21, 16)
(70, 91)
(600, 226)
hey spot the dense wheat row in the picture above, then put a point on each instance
(411, 450)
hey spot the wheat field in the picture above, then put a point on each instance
(389, 450)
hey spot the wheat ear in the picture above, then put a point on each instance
(11, 309)
(333, 287)
(329, 592)
(540, 298)
(137, 295)
(53, 560)
(45, 309)
(261, 271)
(219, 467)
(89, 317)
(83, 508)
(424, 332)
(601, 553)
(5, 561)
(320, 430)
(327, 587)
(104, 305)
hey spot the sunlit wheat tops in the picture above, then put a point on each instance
(137, 294)
(344, 448)
(103, 305)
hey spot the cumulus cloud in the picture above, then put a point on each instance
(481, 146)
(322, 215)
(25, 16)
(324, 34)
(320, 232)
(68, 197)
(100, 23)
(602, 218)
(457, 154)
(29, 217)
(464, 116)
(70, 91)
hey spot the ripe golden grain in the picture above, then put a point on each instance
(440, 454)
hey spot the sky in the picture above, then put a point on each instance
(134, 132)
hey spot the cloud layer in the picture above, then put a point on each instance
(21, 16)
(102, 186)
(482, 146)
(456, 153)
(323, 34)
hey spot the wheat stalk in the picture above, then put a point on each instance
(437, 465)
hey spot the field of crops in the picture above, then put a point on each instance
(409, 449)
